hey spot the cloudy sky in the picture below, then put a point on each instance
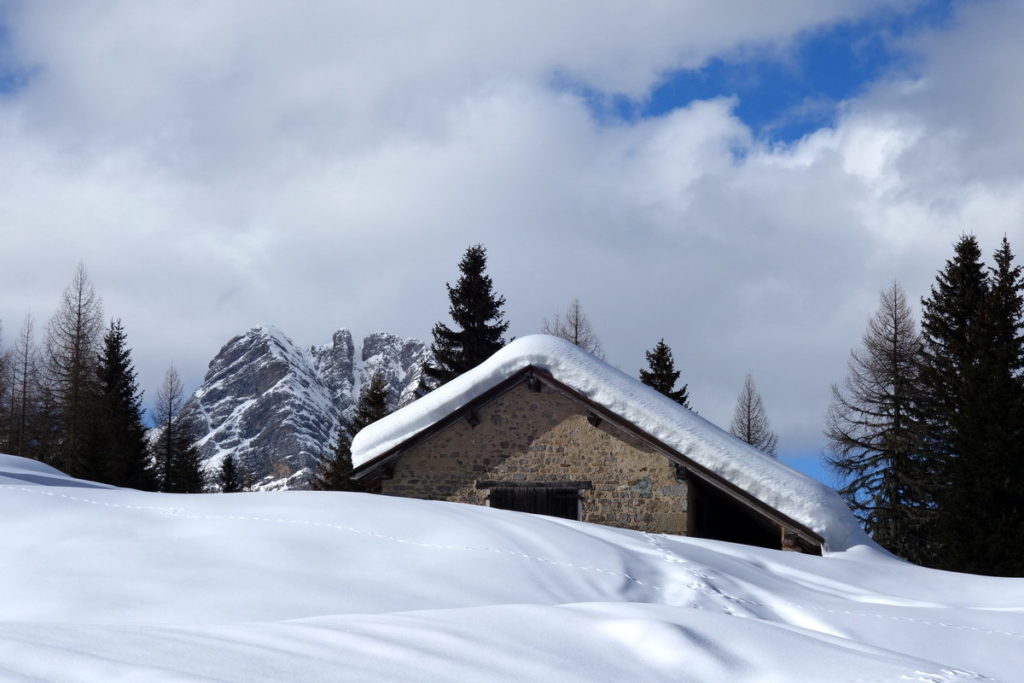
(741, 178)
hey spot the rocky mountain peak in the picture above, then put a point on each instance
(277, 408)
(334, 363)
(399, 361)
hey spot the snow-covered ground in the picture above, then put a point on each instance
(102, 584)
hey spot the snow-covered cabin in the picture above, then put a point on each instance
(545, 427)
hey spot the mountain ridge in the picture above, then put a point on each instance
(277, 407)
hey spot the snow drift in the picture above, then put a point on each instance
(103, 584)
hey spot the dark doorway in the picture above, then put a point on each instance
(541, 500)
(716, 515)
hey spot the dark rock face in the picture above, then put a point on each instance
(399, 361)
(335, 363)
(277, 409)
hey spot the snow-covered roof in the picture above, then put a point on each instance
(779, 487)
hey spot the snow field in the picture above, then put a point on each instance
(108, 584)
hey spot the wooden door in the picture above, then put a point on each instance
(540, 500)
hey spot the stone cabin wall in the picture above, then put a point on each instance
(526, 436)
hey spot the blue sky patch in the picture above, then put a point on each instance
(783, 97)
(810, 463)
(13, 76)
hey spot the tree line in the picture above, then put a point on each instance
(927, 432)
(73, 401)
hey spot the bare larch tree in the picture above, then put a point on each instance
(174, 450)
(69, 369)
(873, 436)
(24, 381)
(750, 422)
(574, 326)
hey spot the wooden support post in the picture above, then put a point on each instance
(790, 541)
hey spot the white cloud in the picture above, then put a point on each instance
(218, 165)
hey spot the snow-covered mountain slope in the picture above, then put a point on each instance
(277, 407)
(400, 362)
(113, 584)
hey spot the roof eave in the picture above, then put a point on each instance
(363, 471)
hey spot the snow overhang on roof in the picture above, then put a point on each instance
(804, 500)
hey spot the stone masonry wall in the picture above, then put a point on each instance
(525, 436)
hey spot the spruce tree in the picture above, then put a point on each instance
(479, 324)
(187, 466)
(118, 437)
(874, 439)
(952, 342)
(373, 404)
(232, 477)
(1006, 312)
(1000, 536)
(335, 474)
(229, 479)
(969, 380)
(662, 374)
(951, 405)
(750, 420)
(972, 397)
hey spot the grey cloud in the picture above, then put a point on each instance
(319, 165)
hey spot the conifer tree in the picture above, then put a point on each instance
(230, 479)
(1006, 311)
(165, 412)
(5, 394)
(750, 421)
(9, 400)
(118, 437)
(335, 474)
(174, 450)
(971, 388)
(479, 324)
(874, 439)
(373, 404)
(187, 466)
(998, 474)
(662, 374)
(952, 403)
(575, 327)
(23, 408)
(70, 351)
